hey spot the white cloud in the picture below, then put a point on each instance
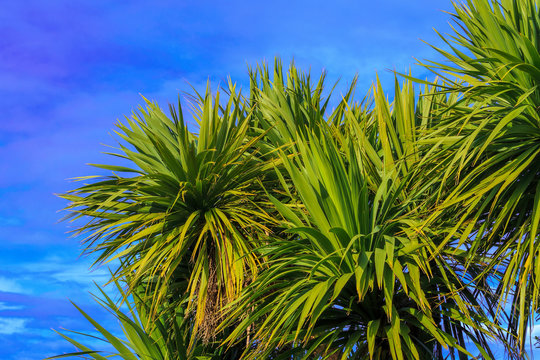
(11, 286)
(41, 276)
(58, 269)
(81, 273)
(4, 306)
(9, 326)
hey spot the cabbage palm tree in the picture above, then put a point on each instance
(489, 147)
(355, 280)
(185, 219)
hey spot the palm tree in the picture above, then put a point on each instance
(187, 217)
(491, 149)
(356, 280)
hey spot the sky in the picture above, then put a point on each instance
(70, 69)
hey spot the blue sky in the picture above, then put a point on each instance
(70, 69)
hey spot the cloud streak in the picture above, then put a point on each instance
(11, 286)
(10, 326)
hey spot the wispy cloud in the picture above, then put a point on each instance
(67, 270)
(58, 277)
(6, 307)
(80, 273)
(11, 286)
(9, 326)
